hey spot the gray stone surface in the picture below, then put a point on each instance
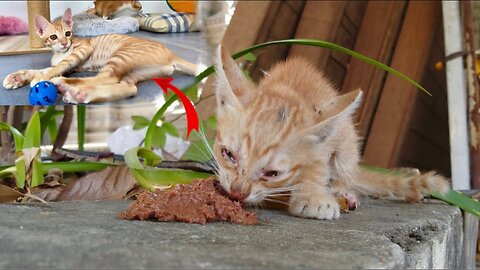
(190, 46)
(88, 235)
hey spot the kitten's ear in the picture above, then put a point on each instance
(233, 77)
(67, 18)
(226, 99)
(337, 112)
(41, 25)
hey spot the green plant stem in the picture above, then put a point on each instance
(81, 111)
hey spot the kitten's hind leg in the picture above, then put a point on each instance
(98, 93)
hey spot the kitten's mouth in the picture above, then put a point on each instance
(64, 48)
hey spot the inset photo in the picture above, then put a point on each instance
(84, 52)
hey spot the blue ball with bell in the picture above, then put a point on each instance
(43, 93)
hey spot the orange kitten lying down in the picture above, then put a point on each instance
(121, 62)
(293, 133)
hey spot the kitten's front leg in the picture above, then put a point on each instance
(314, 202)
(20, 78)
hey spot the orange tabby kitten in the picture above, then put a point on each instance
(293, 133)
(112, 9)
(121, 60)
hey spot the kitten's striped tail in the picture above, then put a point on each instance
(186, 67)
(409, 186)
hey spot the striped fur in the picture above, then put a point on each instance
(120, 60)
(292, 133)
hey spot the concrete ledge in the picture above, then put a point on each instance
(88, 235)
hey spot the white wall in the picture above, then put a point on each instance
(19, 8)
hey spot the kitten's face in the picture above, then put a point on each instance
(257, 150)
(57, 35)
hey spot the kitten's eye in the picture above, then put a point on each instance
(68, 33)
(53, 37)
(271, 174)
(226, 154)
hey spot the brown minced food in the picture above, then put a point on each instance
(198, 202)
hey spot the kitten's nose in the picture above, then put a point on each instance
(237, 195)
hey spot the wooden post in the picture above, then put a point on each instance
(36, 8)
(473, 88)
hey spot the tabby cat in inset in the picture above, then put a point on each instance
(292, 133)
(121, 62)
(113, 9)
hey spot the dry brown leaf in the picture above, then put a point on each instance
(112, 183)
(8, 194)
(47, 192)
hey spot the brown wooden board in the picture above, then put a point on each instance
(320, 20)
(376, 39)
(395, 108)
(286, 20)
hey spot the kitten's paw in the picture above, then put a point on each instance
(59, 82)
(319, 208)
(18, 79)
(78, 95)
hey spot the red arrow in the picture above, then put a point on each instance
(192, 117)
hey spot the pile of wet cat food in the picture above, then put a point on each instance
(199, 202)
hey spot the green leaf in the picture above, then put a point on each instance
(211, 123)
(165, 177)
(47, 117)
(139, 122)
(247, 74)
(19, 161)
(17, 136)
(170, 129)
(193, 94)
(461, 200)
(81, 112)
(52, 129)
(20, 173)
(151, 178)
(151, 127)
(32, 132)
(159, 138)
(37, 171)
(250, 57)
(132, 157)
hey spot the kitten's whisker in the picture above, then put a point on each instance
(205, 154)
(276, 201)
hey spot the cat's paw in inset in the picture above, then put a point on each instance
(314, 207)
(18, 79)
(76, 95)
